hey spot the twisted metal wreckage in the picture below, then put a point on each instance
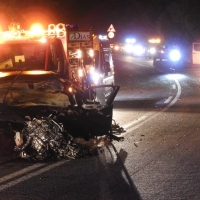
(43, 132)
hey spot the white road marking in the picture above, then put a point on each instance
(168, 99)
(175, 98)
(152, 115)
(19, 173)
(31, 175)
(126, 126)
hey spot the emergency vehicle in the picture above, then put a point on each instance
(151, 46)
(168, 58)
(91, 55)
(61, 75)
(80, 59)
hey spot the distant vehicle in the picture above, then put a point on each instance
(150, 52)
(150, 49)
(138, 50)
(168, 58)
(161, 53)
(117, 47)
(128, 48)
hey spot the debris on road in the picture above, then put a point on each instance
(55, 136)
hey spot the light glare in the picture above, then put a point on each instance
(36, 29)
(175, 55)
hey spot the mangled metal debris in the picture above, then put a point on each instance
(45, 138)
(46, 122)
(116, 129)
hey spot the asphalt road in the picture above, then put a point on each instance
(158, 160)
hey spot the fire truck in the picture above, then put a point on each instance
(83, 61)
(61, 72)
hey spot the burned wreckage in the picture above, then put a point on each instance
(45, 121)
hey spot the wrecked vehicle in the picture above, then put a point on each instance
(43, 108)
(43, 120)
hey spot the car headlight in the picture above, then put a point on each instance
(152, 50)
(175, 55)
(116, 47)
(138, 50)
(128, 48)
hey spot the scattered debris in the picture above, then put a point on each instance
(45, 138)
(55, 136)
(135, 144)
(44, 123)
(116, 129)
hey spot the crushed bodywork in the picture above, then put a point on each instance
(45, 138)
(45, 124)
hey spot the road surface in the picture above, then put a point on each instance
(158, 160)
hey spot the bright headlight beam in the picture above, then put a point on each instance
(128, 48)
(175, 55)
(152, 50)
(138, 49)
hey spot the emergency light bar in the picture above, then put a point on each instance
(59, 30)
(154, 41)
(51, 29)
(36, 32)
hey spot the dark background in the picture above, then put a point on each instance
(170, 19)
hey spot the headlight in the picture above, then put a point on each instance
(128, 48)
(138, 50)
(152, 50)
(175, 55)
(116, 47)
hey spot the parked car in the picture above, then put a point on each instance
(168, 58)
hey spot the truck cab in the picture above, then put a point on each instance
(77, 57)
